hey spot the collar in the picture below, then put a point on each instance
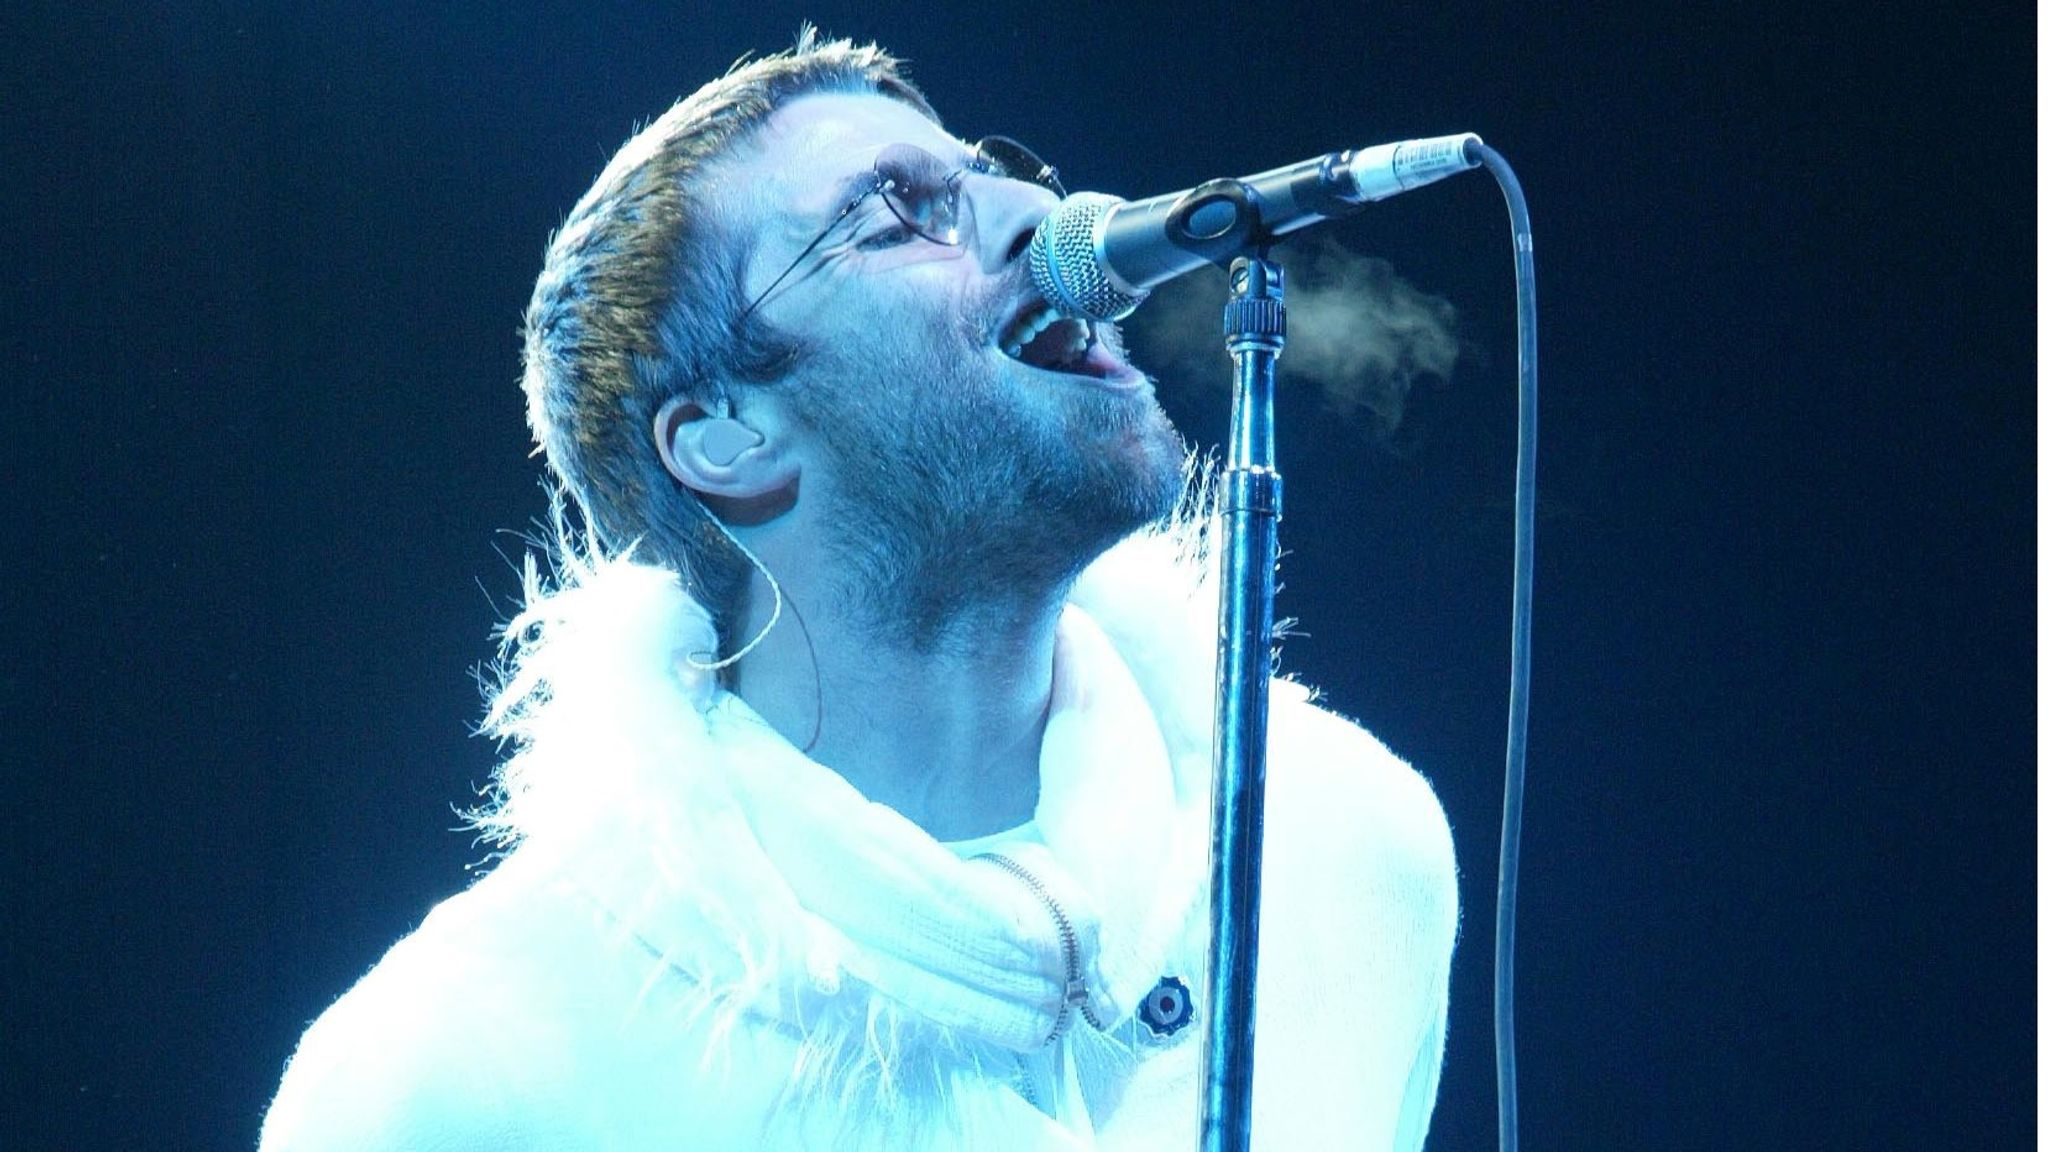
(777, 888)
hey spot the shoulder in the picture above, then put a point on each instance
(433, 1049)
(1358, 922)
(1359, 874)
(520, 1016)
(1335, 790)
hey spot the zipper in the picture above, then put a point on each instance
(1027, 1085)
(1076, 997)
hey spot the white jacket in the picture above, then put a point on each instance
(705, 941)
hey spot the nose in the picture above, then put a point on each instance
(1006, 212)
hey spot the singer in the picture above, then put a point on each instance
(857, 794)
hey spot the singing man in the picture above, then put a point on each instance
(859, 744)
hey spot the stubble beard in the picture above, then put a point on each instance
(960, 504)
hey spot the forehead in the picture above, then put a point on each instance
(811, 143)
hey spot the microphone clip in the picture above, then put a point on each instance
(1218, 221)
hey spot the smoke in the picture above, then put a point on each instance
(1356, 331)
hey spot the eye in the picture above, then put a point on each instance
(897, 233)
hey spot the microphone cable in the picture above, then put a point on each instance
(1518, 679)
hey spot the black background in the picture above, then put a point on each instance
(263, 434)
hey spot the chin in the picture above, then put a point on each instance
(1132, 478)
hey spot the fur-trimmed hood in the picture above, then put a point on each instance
(777, 889)
(702, 939)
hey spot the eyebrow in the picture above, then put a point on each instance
(855, 183)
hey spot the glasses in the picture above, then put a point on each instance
(924, 195)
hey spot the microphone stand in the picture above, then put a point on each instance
(1255, 327)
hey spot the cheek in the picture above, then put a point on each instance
(945, 300)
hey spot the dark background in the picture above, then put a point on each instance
(264, 269)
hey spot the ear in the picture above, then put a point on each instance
(717, 455)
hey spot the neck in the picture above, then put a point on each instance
(946, 733)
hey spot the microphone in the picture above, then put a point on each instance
(1097, 256)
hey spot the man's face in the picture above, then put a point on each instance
(952, 470)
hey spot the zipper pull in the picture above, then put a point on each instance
(1077, 994)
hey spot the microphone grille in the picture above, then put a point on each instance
(1066, 266)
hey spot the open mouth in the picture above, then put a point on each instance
(1042, 338)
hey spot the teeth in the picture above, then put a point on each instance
(1029, 325)
(1035, 321)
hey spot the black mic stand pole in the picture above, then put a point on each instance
(1255, 327)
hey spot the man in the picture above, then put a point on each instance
(860, 794)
